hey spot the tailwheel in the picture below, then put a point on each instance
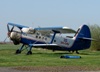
(77, 52)
(72, 51)
(18, 51)
(29, 52)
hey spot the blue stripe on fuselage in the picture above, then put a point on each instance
(30, 41)
(76, 46)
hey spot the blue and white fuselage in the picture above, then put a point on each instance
(50, 38)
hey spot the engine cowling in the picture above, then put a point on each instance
(15, 37)
(28, 30)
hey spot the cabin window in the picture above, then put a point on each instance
(77, 32)
(39, 37)
(45, 38)
(42, 37)
(36, 36)
(54, 40)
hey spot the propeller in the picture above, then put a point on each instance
(5, 39)
(9, 28)
(14, 36)
(12, 29)
(9, 31)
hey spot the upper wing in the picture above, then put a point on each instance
(47, 30)
(57, 29)
(18, 25)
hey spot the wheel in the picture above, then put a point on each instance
(29, 52)
(73, 51)
(77, 52)
(18, 51)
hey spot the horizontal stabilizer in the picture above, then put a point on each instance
(84, 38)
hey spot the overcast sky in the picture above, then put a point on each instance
(44, 13)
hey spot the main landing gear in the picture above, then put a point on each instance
(73, 51)
(29, 48)
(77, 52)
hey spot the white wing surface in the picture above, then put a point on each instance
(49, 30)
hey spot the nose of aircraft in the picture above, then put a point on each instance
(15, 37)
(8, 34)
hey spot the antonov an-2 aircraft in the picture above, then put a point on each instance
(49, 38)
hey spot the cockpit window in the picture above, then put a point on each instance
(77, 32)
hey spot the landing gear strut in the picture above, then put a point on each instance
(29, 52)
(18, 51)
(21, 49)
(73, 51)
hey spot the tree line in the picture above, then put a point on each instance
(95, 34)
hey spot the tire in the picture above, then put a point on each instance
(18, 51)
(29, 53)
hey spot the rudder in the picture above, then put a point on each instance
(84, 34)
(83, 31)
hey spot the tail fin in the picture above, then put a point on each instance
(83, 34)
(83, 31)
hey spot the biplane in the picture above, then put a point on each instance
(49, 38)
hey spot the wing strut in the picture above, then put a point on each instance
(54, 35)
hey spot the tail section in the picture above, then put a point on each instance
(83, 31)
(83, 36)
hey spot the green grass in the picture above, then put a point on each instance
(41, 57)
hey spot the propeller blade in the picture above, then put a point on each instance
(5, 39)
(8, 28)
(12, 29)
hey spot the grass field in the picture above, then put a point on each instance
(41, 57)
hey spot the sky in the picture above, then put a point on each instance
(48, 13)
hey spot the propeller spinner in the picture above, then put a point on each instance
(14, 35)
